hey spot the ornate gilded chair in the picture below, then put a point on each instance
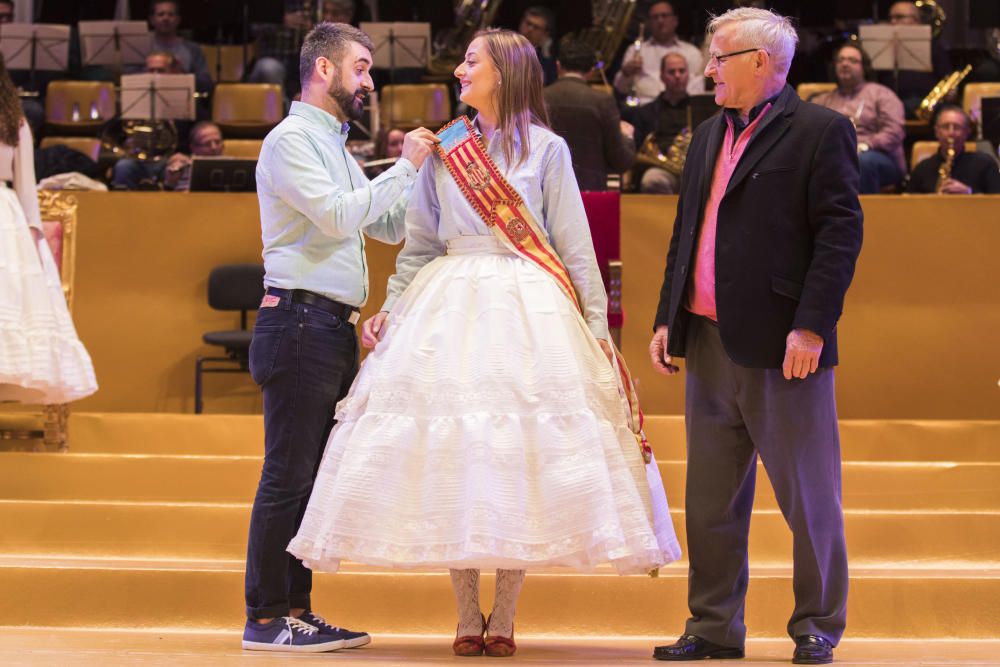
(46, 427)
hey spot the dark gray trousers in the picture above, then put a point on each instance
(734, 414)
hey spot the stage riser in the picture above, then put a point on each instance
(26, 476)
(243, 435)
(423, 603)
(210, 532)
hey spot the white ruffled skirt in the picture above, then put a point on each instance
(485, 430)
(41, 358)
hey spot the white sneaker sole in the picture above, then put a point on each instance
(294, 648)
(358, 642)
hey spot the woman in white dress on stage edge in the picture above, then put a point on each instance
(41, 359)
(492, 426)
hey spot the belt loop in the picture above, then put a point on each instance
(286, 300)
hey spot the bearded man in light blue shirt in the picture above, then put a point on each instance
(316, 206)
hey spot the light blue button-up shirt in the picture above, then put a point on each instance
(438, 212)
(316, 206)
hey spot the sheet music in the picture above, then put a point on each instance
(410, 45)
(51, 46)
(904, 47)
(171, 97)
(115, 42)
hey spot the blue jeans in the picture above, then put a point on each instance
(877, 171)
(131, 174)
(304, 360)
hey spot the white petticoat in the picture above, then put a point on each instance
(41, 358)
(486, 430)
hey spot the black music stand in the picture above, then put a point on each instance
(223, 174)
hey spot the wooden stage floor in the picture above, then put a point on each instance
(47, 646)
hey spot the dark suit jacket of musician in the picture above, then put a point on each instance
(788, 236)
(588, 120)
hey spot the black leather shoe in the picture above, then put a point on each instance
(812, 650)
(690, 647)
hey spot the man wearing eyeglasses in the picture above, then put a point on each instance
(970, 173)
(765, 240)
(877, 115)
(640, 70)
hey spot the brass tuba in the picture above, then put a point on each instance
(144, 140)
(611, 19)
(941, 90)
(471, 16)
(933, 15)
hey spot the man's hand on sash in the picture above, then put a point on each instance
(373, 329)
(418, 144)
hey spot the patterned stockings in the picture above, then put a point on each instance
(466, 585)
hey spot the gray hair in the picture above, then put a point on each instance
(328, 40)
(764, 29)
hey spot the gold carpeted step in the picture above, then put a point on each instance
(884, 602)
(862, 440)
(216, 530)
(29, 476)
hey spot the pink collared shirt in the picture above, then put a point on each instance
(701, 294)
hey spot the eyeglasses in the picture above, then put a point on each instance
(717, 60)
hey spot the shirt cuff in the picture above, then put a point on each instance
(408, 169)
(600, 329)
(389, 302)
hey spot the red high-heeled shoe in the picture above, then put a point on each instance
(498, 646)
(470, 645)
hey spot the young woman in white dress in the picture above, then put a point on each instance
(486, 428)
(42, 360)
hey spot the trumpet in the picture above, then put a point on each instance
(632, 100)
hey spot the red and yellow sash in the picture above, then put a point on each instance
(503, 210)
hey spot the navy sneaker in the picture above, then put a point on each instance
(287, 633)
(351, 639)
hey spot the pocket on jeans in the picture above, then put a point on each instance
(264, 351)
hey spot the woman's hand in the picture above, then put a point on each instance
(373, 329)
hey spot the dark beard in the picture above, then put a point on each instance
(346, 100)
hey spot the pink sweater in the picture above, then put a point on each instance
(701, 295)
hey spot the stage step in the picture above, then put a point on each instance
(926, 602)
(243, 435)
(219, 530)
(148, 515)
(188, 478)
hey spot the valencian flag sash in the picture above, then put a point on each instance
(502, 209)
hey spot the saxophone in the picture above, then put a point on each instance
(940, 91)
(944, 171)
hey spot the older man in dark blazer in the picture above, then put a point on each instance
(767, 234)
(588, 119)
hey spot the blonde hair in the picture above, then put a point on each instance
(762, 29)
(519, 98)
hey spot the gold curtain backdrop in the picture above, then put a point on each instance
(918, 338)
